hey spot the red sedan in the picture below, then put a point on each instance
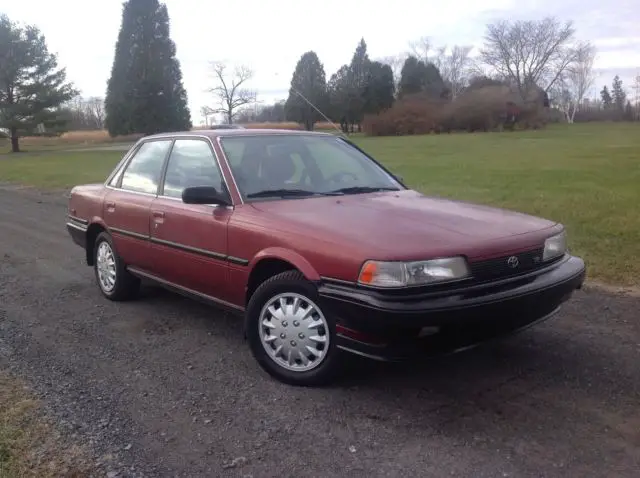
(320, 248)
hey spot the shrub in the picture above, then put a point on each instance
(589, 114)
(320, 125)
(413, 114)
(482, 109)
(486, 108)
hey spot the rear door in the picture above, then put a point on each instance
(128, 201)
(189, 241)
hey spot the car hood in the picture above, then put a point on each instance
(408, 224)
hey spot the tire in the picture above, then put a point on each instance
(292, 285)
(125, 285)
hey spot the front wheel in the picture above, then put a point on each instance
(289, 335)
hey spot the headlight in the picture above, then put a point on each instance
(402, 274)
(555, 246)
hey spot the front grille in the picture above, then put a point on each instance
(500, 267)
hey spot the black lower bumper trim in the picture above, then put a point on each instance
(463, 317)
(444, 343)
(78, 234)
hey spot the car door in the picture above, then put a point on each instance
(189, 241)
(128, 201)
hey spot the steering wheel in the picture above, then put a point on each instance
(337, 177)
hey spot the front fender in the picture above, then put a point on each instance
(292, 257)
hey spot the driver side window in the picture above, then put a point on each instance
(191, 163)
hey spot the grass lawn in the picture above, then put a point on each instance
(57, 169)
(585, 175)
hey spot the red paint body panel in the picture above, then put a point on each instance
(129, 212)
(336, 235)
(195, 226)
(238, 279)
(85, 201)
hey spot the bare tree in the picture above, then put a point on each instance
(579, 77)
(423, 49)
(231, 92)
(395, 62)
(95, 110)
(456, 68)
(530, 54)
(206, 112)
(86, 113)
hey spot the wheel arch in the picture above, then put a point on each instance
(273, 261)
(95, 227)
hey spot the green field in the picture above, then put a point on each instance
(585, 175)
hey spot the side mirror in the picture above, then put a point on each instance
(204, 195)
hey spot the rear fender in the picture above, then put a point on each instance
(95, 223)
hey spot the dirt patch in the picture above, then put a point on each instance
(630, 291)
(30, 446)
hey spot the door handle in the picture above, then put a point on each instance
(158, 217)
(111, 206)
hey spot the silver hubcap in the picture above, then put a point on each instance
(106, 265)
(294, 332)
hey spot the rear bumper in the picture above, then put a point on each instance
(78, 232)
(383, 325)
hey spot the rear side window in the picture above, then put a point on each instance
(145, 168)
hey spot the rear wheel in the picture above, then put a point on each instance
(115, 282)
(289, 335)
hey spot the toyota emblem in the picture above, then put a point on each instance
(513, 262)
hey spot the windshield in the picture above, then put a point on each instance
(298, 166)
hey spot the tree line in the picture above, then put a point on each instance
(522, 67)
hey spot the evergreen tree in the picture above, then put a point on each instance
(434, 85)
(606, 97)
(349, 89)
(308, 79)
(32, 87)
(379, 89)
(618, 95)
(412, 77)
(358, 76)
(145, 93)
(418, 77)
(338, 88)
(628, 112)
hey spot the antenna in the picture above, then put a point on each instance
(340, 132)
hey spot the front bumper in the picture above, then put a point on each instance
(385, 325)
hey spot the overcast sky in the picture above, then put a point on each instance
(270, 36)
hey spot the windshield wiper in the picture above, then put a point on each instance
(287, 193)
(362, 189)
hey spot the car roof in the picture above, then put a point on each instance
(214, 133)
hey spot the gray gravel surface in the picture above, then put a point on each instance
(164, 386)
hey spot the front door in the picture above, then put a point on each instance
(189, 241)
(128, 202)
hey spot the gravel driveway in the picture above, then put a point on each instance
(166, 387)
